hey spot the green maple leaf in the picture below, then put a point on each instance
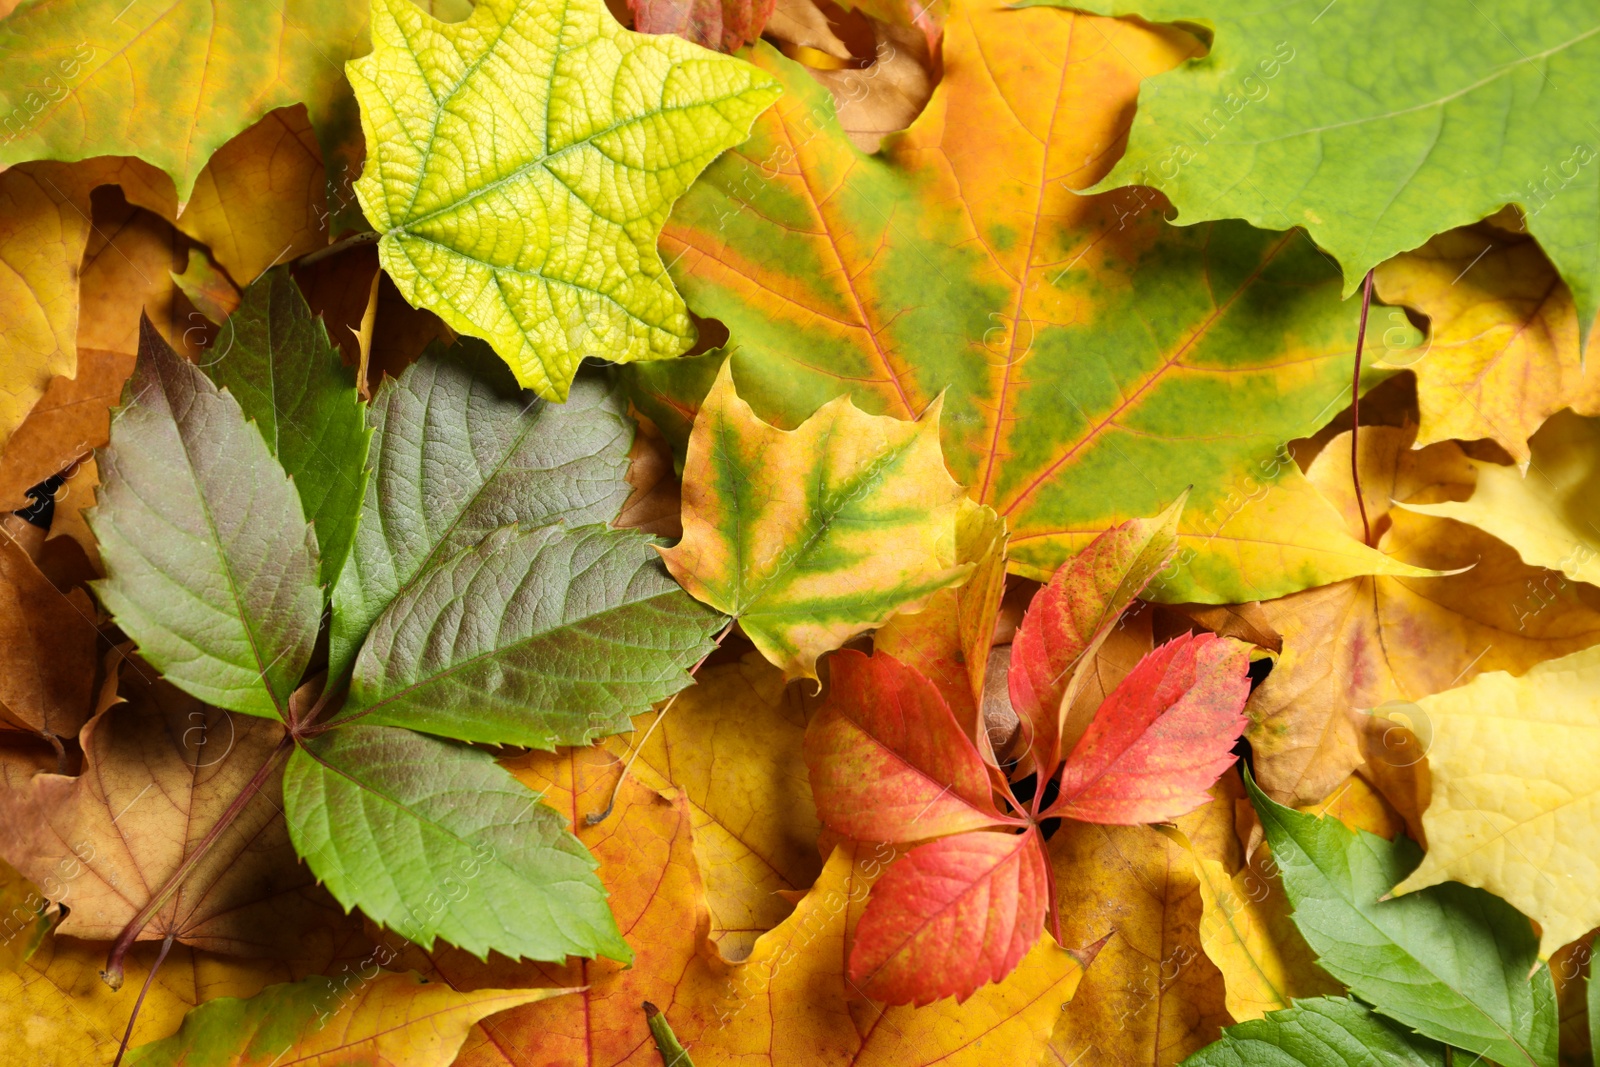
(1319, 1032)
(1453, 962)
(277, 361)
(1331, 117)
(521, 164)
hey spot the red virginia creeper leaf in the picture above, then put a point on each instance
(1162, 737)
(726, 25)
(1071, 616)
(888, 761)
(949, 916)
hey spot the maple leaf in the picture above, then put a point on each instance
(813, 535)
(47, 648)
(1280, 122)
(389, 1018)
(1354, 648)
(1503, 350)
(579, 132)
(158, 772)
(94, 78)
(1321, 1032)
(1093, 359)
(1513, 763)
(1451, 962)
(1547, 513)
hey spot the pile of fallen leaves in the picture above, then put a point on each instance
(922, 532)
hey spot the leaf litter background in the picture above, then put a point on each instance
(1082, 361)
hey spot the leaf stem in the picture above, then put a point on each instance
(112, 975)
(127, 1035)
(1355, 412)
(355, 240)
(595, 818)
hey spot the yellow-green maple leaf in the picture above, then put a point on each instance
(813, 535)
(1516, 792)
(520, 167)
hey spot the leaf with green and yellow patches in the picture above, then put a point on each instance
(1095, 360)
(521, 164)
(813, 535)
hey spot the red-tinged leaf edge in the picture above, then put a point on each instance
(1162, 737)
(950, 916)
(889, 762)
(1072, 615)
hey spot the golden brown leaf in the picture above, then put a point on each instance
(1353, 647)
(70, 420)
(47, 649)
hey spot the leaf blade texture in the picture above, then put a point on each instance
(434, 840)
(1452, 962)
(521, 167)
(811, 536)
(1314, 131)
(289, 379)
(459, 451)
(536, 638)
(193, 510)
(1319, 1032)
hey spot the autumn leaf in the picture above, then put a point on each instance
(457, 452)
(48, 649)
(1513, 763)
(390, 1018)
(1320, 1032)
(1095, 358)
(1293, 119)
(1546, 513)
(72, 418)
(211, 567)
(582, 132)
(731, 745)
(1503, 351)
(93, 78)
(1355, 648)
(813, 535)
(1152, 996)
(1451, 962)
(726, 25)
(159, 771)
(207, 287)
(288, 379)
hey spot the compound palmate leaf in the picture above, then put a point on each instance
(277, 361)
(537, 638)
(436, 840)
(1319, 1032)
(211, 566)
(813, 535)
(1451, 962)
(521, 164)
(1094, 360)
(459, 451)
(1295, 118)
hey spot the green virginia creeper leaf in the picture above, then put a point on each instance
(538, 638)
(278, 362)
(385, 1018)
(1296, 118)
(1451, 961)
(520, 165)
(169, 82)
(434, 839)
(210, 565)
(1319, 1032)
(1094, 361)
(458, 450)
